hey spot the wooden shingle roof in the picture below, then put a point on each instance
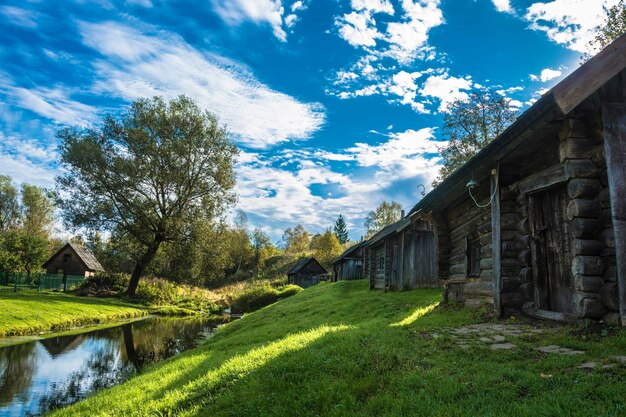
(83, 254)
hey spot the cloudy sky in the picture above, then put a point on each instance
(336, 105)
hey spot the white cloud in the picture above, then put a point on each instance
(411, 33)
(54, 103)
(266, 182)
(405, 39)
(568, 22)
(446, 88)
(503, 6)
(358, 29)
(374, 6)
(403, 85)
(547, 74)
(20, 17)
(139, 65)
(258, 11)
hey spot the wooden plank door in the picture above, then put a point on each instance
(550, 248)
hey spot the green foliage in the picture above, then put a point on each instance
(296, 240)
(263, 248)
(103, 284)
(37, 211)
(613, 27)
(258, 296)
(328, 248)
(470, 125)
(147, 174)
(24, 227)
(385, 214)
(341, 230)
(9, 206)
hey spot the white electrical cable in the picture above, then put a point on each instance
(495, 190)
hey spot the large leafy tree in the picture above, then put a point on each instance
(614, 26)
(385, 214)
(341, 230)
(262, 247)
(470, 125)
(9, 205)
(37, 211)
(328, 248)
(296, 240)
(148, 173)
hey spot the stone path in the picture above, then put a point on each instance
(493, 334)
(501, 337)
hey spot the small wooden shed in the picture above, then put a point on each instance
(73, 259)
(306, 273)
(543, 231)
(349, 266)
(402, 256)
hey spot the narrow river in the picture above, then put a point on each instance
(41, 375)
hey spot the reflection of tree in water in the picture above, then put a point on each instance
(143, 343)
(17, 364)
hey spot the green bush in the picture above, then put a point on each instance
(289, 290)
(103, 284)
(258, 296)
(157, 291)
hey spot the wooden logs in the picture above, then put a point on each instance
(585, 228)
(609, 296)
(587, 247)
(523, 227)
(581, 168)
(587, 265)
(527, 290)
(587, 283)
(583, 188)
(575, 148)
(572, 128)
(524, 258)
(583, 208)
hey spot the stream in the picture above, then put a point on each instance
(42, 375)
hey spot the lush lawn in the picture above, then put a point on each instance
(342, 350)
(29, 312)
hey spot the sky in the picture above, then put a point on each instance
(335, 105)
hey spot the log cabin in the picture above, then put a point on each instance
(402, 255)
(349, 265)
(73, 259)
(536, 221)
(307, 272)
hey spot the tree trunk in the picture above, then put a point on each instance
(141, 265)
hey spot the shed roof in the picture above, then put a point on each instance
(349, 251)
(83, 254)
(555, 104)
(302, 263)
(389, 230)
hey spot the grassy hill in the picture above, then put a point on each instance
(342, 350)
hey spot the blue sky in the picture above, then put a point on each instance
(336, 105)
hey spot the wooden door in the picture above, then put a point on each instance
(550, 247)
(379, 280)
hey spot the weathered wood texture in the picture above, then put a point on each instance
(614, 118)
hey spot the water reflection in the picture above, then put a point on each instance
(40, 376)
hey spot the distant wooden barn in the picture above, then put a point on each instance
(73, 259)
(536, 221)
(402, 256)
(307, 272)
(349, 266)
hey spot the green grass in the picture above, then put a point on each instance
(342, 350)
(28, 312)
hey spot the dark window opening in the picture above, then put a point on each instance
(66, 259)
(473, 258)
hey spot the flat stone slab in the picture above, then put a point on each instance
(619, 358)
(502, 346)
(559, 350)
(588, 365)
(498, 338)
